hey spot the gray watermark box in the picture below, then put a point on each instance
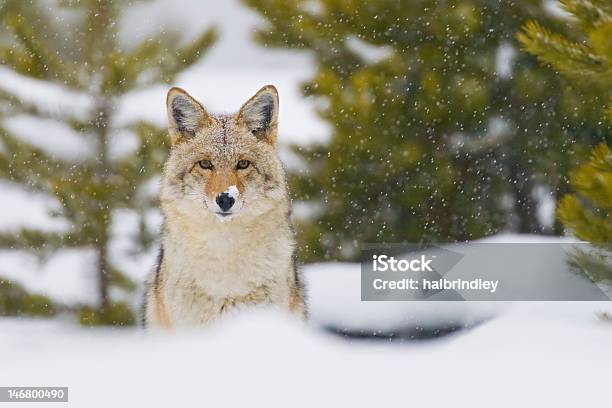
(484, 272)
(33, 394)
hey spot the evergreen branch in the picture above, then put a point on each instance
(21, 162)
(99, 31)
(18, 61)
(149, 158)
(142, 67)
(146, 162)
(584, 223)
(80, 125)
(596, 263)
(10, 7)
(158, 65)
(588, 214)
(31, 239)
(145, 238)
(15, 300)
(13, 105)
(150, 62)
(590, 13)
(601, 159)
(571, 59)
(593, 180)
(282, 23)
(86, 200)
(35, 60)
(120, 73)
(70, 3)
(119, 279)
(191, 53)
(30, 62)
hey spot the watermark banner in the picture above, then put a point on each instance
(485, 272)
(33, 394)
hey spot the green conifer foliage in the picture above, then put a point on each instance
(588, 213)
(582, 54)
(585, 59)
(82, 54)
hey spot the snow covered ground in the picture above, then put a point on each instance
(537, 355)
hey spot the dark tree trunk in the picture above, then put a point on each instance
(102, 273)
(103, 165)
(525, 207)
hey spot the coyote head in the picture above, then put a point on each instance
(223, 166)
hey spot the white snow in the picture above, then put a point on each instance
(52, 136)
(122, 143)
(546, 205)
(369, 53)
(24, 209)
(66, 277)
(503, 60)
(133, 261)
(262, 358)
(53, 99)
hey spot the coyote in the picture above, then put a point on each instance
(227, 238)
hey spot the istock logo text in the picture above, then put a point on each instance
(383, 263)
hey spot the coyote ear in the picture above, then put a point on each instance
(260, 114)
(185, 115)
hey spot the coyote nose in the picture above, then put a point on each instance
(225, 201)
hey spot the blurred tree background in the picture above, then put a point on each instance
(443, 130)
(81, 53)
(583, 56)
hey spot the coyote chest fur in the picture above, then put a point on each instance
(227, 239)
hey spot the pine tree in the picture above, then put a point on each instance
(582, 54)
(585, 59)
(588, 213)
(83, 55)
(433, 138)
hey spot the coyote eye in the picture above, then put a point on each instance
(242, 164)
(205, 164)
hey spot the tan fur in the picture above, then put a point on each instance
(211, 264)
(161, 314)
(221, 180)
